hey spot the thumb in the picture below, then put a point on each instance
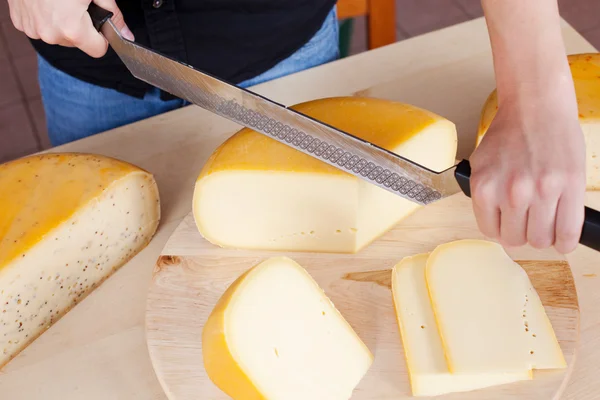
(117, 17)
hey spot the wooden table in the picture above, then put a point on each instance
(98, 350)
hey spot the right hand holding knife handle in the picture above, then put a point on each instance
(590, 233)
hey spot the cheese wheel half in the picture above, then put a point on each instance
(67, 222)
(257, 193)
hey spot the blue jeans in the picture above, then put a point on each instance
(76, 109)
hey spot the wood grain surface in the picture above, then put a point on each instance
(191, 275)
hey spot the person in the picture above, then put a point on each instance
(86, 89)
(527, 175)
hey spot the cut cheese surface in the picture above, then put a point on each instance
(489, 316)
(257, 193)
(275, 335)
(585, 69)
(67, 221)
(427, 367)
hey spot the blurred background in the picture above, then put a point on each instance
(22, 124)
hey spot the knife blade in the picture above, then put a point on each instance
(342, 150)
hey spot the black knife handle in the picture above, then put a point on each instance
(99, 15)
(590, 233)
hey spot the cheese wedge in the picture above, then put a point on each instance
(257, 193)
(585, 69)
(67, 222)
(489, 316)
(428, 371)
(275, 335)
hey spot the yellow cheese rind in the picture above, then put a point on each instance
(384, 123)
(40, 192)
(257, 193)
(427, 368)
(490, 317)
(274, 335)
(68, 222)
(585, 70)
(219, 363)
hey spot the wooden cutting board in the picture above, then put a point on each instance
(191, 275)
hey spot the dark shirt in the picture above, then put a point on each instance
(232, 39)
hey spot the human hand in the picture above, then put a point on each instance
(65, 22)
(528, 173)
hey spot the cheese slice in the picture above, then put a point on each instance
(275, 335)
(585, 69)
(428, 371)
(489, 315)
(67, 221)
(257, 193)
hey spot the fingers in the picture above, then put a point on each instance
(485, 206)
(540, 224)
(29, 27)
(570, 214)
(15, 14)
(544, 212)
(516, 198)
(501, 209)
(85, 37)
(65, 23)
(117, 17)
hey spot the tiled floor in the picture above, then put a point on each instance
(22, 123)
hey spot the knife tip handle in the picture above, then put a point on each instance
(590, 233)
(462, 173)
(99, 15)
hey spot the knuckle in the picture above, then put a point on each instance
(540, 242)
(487, 227)
(117, 17)
(483, 190)
(550, 183)
(96, 52)
(18, 25)
(49, 35)
(568, 233)
(32, 33)
(71, 33)
(513, 240)
(566, 247)
(519, 191)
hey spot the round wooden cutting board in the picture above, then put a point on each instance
(192, 274)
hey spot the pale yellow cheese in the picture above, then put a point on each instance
(427, 367)
(275, 335)
(585, 69)
(257, 193)
(67, 221)
(490, 317)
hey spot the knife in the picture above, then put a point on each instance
(301, 132)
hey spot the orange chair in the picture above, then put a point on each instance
(381, 19)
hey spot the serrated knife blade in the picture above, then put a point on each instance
(340, 149)
(335, 147)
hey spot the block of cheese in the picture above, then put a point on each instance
(489, 315)
(585, 69)
(428, 371)
(275, 335)
(257, 193)
(67, 221)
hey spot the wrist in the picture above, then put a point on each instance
(538, 92)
